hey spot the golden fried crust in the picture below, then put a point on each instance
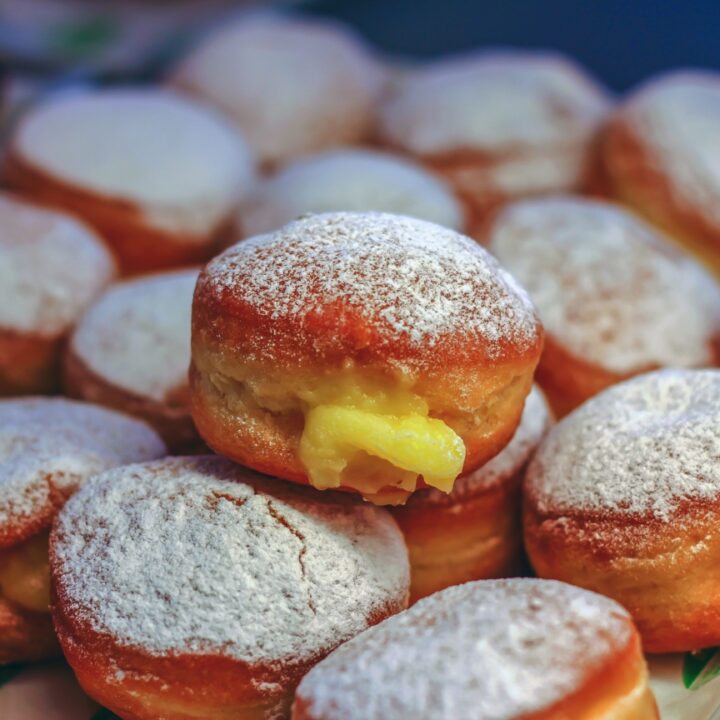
(25, 636)
(29, 363)
(138, 246)
(664, 573)
(138, 686)
(472, 538)
(171, 418)
(634, 178)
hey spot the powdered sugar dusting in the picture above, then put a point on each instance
(181, 163)
(51, 268)
(197, 555)
(50, 446)
(293, 86)
(493, 101)
(419, 282)
(505, 648)
(137, 335)
(678, 117)
(607, 286)
(350, 179)
(639, 448)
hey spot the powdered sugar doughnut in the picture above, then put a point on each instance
(157, 175)
(293, 86)
(131, 352)
(659, 153)
(615, 298)
(51, 268)
(48, 448)
(623, 497)
(474, 532)
(358, 180)
(191, 587)
(497, 125)
(363, 351)
(510, 649)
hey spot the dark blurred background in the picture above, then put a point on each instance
(621, 42)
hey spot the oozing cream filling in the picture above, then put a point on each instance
(25, 574)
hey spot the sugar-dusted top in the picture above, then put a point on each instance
(137, 335)
(493, 102)
(291, 85)
(505, 648)
(534, 424)
(414, 287)
(608, 287)
(641, 448)
(198, 555)
(677, 117)
(51, 268)
(50, 446)
(350, 179)
(182, 163)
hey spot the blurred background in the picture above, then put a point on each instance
(620, 42)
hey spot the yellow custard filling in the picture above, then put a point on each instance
(25, 574)
(377, 440)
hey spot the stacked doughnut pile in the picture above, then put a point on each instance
(387, 287)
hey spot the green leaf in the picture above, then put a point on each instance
(104, 714)
(700, 666)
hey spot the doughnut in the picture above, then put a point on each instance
(51, 268)
(293, 86)
(616, 299)
(193, 588)
(349, 179)
(497, 125)
(48, 448)
(158, 176)
(367, 351)
(131, 352)
(519, 649)
(655, 155)
(623, 497)
(474, 532)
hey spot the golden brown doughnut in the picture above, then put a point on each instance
(131, 352)
(51, 269)
(520, 649)
(474, 532)
(616, 299)
(363, 351)
(497, 125)
(158, 176)
(293, 86)
(193, 588)
(48, 448)
(623, 497)
(349, 179)
(658, 155)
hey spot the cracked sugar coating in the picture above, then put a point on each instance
(137, 335)
(677, 117)
(197, 555)
(51, 268)
(50, 446)
(418, 285)
(350, 179)
(641, 448)
(607, 287)
(504, 648)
